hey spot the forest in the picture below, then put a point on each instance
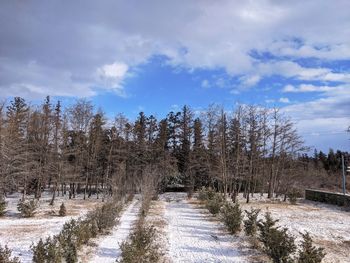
(77, 149)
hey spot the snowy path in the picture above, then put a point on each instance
(193, 238)
(108, 247)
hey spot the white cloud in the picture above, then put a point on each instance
(183, 31)
(328, 117)
(116, 70)
(284, 100)
(290, 69)
(250, 80)
(111, 77)
(303, 88)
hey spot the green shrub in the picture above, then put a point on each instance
(54, 250)
(251, 223)
(93, 228)
(70, 252)
(141, 247)
(74, 234)
(38, 252)
(63, 210)
(277, 243)
(309, 253)
(69, 240)
(206, 194)
(5, 255)
(49, 251)
(3, 205)
(232, 217)
(293, 195)
(27, 208)
(214, 205)
(202, 194)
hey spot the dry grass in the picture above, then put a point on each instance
(156, 218)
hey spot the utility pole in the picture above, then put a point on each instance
(344, 175)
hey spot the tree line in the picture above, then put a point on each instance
(78, 150)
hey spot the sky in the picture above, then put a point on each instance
(156, 56)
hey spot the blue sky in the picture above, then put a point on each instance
(156, 56)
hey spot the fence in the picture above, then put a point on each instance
(327, 197)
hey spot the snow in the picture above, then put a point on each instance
(328, 225)
(108, 249)
(20, 233)
(186, 232)
(194, 238)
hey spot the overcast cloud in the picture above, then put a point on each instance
(78, 48)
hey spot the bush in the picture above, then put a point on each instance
(48, 251)
(141, 247)
(206, 194)
(27, 208)
(308, 253)
(5, 255)
(232, 216)
(3, 205)
(69, 240)
(292, 196)
(38, 252)
(93, 228)
(74, 234)
(277, 243)
(214, 204)
(63, 210)
(251, 224)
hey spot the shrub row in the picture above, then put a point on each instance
(76, 233)
(5, 255)
(230, 214)
(276, 242)
(141, 245)
(280, 246)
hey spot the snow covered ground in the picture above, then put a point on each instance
(186, 232)
(108, 249)
(328, 225)
(193, 237)
(19, 233)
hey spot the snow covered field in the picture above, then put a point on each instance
(19, 233)
(328, 225)
(186, 231)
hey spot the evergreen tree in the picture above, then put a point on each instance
(15, 144)
(308, 253)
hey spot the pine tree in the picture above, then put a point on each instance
(15, 146)
(251, 224)
(308, 253)
(5, 255)
(198, 163)
(277, 243)
(232, 215)
(56, 157)
(63, 210)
